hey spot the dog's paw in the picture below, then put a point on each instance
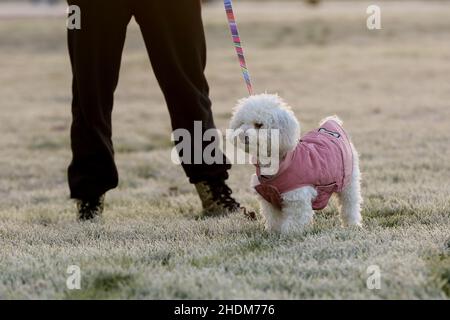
(353, 225)
(295, 227)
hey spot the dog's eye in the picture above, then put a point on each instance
(258, 125)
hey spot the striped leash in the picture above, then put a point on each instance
(237, 44)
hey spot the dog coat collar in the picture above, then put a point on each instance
(323, 159)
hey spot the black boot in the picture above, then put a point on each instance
(217, 200)
(91, 209)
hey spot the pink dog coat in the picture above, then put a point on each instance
(323, 159)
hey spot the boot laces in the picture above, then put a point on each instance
(222, 194)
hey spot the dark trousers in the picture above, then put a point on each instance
(175, 41)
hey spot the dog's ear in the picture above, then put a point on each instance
(236, 119)
(234, 122)
(289, 129)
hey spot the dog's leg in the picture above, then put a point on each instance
(350, 198)
(297, 209)
(272, 216)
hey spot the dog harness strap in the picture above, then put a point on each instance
(237, 44)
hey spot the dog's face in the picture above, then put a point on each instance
(263, 124)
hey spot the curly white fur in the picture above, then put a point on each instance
(268, 111)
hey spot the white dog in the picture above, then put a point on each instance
(310, 169)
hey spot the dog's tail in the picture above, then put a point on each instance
(334, 118)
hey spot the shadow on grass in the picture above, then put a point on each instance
(103, 286)
(439, 266)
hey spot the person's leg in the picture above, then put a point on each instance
(174, 36)
(95, 53)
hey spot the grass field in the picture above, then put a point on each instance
(391, 87)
